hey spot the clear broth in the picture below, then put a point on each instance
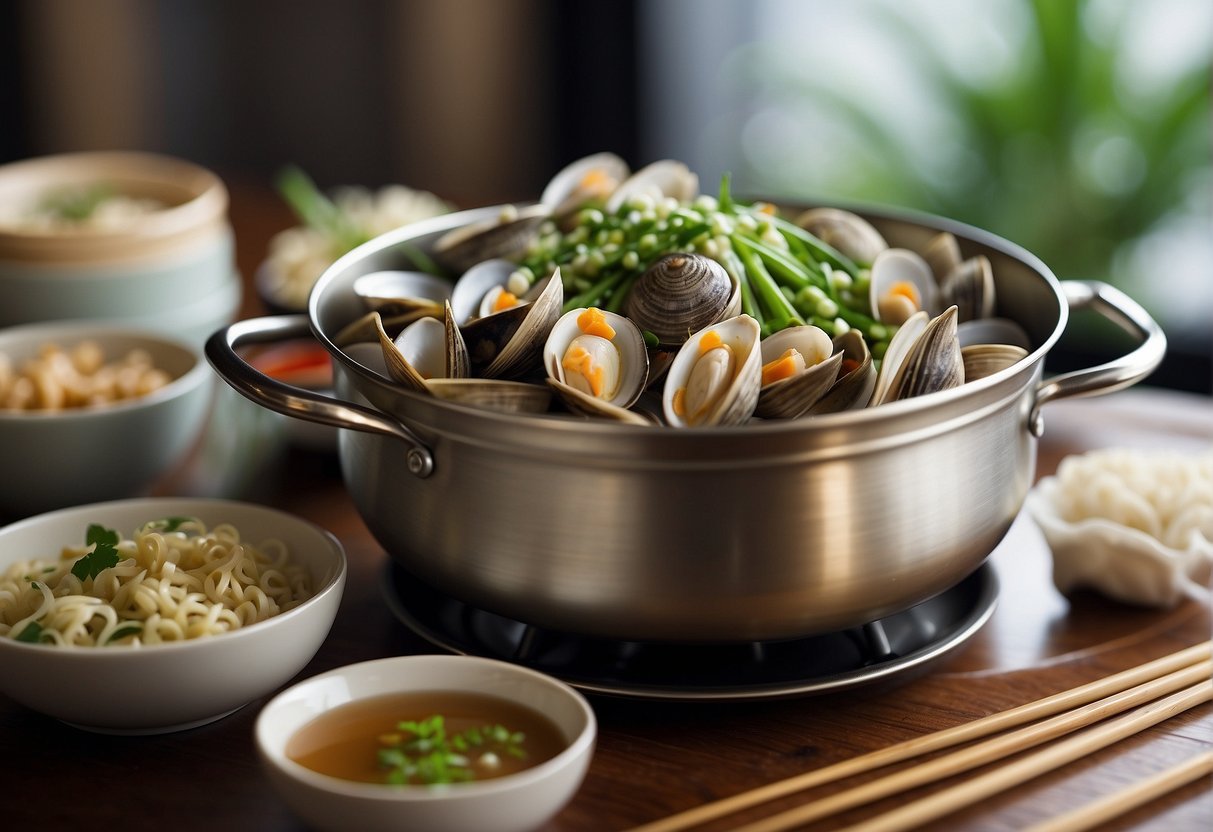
(345, 742)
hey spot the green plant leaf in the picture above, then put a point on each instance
(104, 553)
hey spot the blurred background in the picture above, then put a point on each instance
(1079, 129)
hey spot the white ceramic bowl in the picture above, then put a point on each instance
(166, 259)
(62, 458)
(511, 803)
(196, 321)
(169, 687)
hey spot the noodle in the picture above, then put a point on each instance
(174, 580)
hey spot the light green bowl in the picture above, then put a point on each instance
(68, 457)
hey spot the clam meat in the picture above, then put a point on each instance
(597, 362)
(716, 376)
(589, 180)
(799, 365)
(901, 285)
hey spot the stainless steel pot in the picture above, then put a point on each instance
(767, 531)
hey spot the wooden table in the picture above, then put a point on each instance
(652, 758)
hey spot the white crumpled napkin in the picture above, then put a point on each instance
(1136, 526)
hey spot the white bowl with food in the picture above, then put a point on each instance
(94, 411)
(1133, 525)
(331, 224)
(427, 742)
(110, 235)
(177, 613)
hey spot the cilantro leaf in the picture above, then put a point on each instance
(30, 633)
(124, 630)
(104, 554)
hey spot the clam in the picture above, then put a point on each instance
(942, 253)
(856, 376)
(847, 232)
(484, 289)
(429, 357)
(992, 331)
(981, 360)
(799, 365)
(895, 353)
(931, 361)
(425, 349)
(597, 362)
(661, 179)
(680, 294)
(394, 293)
(970, 288)
(505, 236)
(591, 179)
(365, 329)
(901, 285)
(509, 343)
(716, 375)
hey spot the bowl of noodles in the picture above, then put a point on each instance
(153, 615)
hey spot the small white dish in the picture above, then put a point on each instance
(158, 688)
(512, 803)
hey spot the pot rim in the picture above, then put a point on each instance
(922, 415)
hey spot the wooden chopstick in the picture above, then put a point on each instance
(1000, 779)
(1113, 806)
(1197, 676)
(985, 726)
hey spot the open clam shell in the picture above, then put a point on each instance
(424, 350)
(595, 408)
(509, 344)
(401, 292)
(598, 360)
(403, 369)
(505, 236)
(591, 178)
(847, 232)
(970, 288)
(856, 377)
(992, 331)
(933, 362)
(942, 253)
(981, 360)
(791, 396)
(656, 181)
(477, 293)
(896, 353)
(365, 329)
(901, 284)
(715, 378)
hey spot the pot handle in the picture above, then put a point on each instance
(296, 401)
(1116, 374)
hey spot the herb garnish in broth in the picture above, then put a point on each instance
(426, 738)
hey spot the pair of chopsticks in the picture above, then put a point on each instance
(1183, 680)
